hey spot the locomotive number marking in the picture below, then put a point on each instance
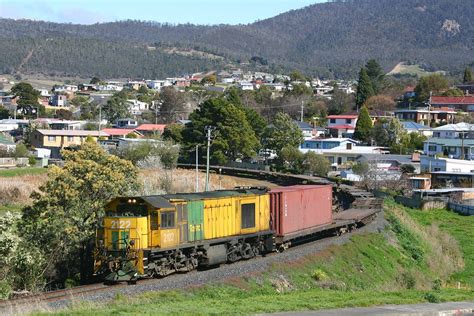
(120, 224)
(168, 237)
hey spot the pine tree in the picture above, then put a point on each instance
(364, 88)
(363, 126)
(375, 73)
(467, 75)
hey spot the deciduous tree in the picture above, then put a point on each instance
(435, 83)
(283, 133)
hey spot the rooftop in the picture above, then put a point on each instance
(151, 127)
(348, 116)
(454, 142)
(455, 127)
(53, 132)
(117, 131)
(453, 100)
(341, 127)
(413, 125)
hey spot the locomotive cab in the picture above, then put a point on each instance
(130, 227)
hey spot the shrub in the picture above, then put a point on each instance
(32, 160)
(431, 297)
(437, 285)
(5, 289)
(408, 280)
(319, 275)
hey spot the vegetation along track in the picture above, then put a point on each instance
(349, 197)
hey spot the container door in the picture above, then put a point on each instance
(195, 220)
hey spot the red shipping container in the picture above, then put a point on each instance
(300, 209)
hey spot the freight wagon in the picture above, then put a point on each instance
(152, 236)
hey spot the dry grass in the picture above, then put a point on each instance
(159, 181)
(17, 190)
(444, 255)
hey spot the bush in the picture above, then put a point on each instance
(319, 275)
(408, 280)
(437, 285)
(32, 160)
(5, 289)
(431, 297)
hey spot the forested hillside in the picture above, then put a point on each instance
(328, 39)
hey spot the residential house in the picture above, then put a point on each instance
(450, 147)
(412, 127)
(136, 107)
(467, 88)
(135, 85)
(423, 183)
(425, 116)
(55, 140)
(66, 125)
(444, 179)
(458, 130)
(9, 125)
(59, 100)
(151, 129)
(409, 93)
(66, 88)
(433, 164)
(108, 87)
(463, 103)
(245, 85)
(306, 129)
(126, 123)
(44, 92)
(389, 162)
(158, 84)
(339, 151)
(116, 133)
(341, 125)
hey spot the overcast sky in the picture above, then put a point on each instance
(173, 11)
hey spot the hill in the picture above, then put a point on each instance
(326, 39)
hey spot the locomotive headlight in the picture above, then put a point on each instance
(134, 201)
(129, 201)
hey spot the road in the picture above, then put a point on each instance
(424, 309)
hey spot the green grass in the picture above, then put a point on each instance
(10, 208)
(15, 172)
(371, 269)
(458, 226)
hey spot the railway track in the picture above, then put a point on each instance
(56, 295)
(364, 203)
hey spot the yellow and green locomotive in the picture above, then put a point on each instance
(151, 236)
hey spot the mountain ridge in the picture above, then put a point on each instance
(326, 39)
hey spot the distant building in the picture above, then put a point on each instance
(424, 116)
(463, 103)
(412, 127)
(136, 107)
(341, 125)
(432, 164)
(449, 147)
(127, 123)
(55, 140)
(151, 129)
(116, 133)
(58, 100)
(453, 131)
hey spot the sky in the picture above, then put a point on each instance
(172, 11)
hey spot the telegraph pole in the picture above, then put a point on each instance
(302, 111)
(197, 168)
(209, 130)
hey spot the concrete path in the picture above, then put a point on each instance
(425, 309)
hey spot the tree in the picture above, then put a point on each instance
(172, 105)
(21, 151)
(290, 158)
(380, 103)
(27, 104)
(116, 108)
(297, 76)
(340, 102)
(67, 210)
(4, 113)
(435, 83)
(233, 138)
(364, 88)
(314, 163)
(363, 126)
(375, 73)
(173, 132)
(467, 77)
(64, 114)
(95, 80)
(453, 93)
(211, 79)
(283, 133)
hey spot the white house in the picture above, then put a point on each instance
(136, 107)
(66, 88)
(454, 131)
(429, 164)
(450, 147)
(341, 125)
(245, 85)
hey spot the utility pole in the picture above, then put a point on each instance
(197, 168)
(209, 130)
(302, 111)
(462, 144)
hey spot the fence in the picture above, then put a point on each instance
(462, 209)
(13, 162)
(427, 203)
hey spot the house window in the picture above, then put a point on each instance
(167, 220)
(51, 138)
(248, 215)
(432, 148)
(70, 138)
(332, 121)
(348, 121)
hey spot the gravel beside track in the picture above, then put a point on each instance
(224, 272)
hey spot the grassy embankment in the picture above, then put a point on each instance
(411, 261)
(16, 186)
